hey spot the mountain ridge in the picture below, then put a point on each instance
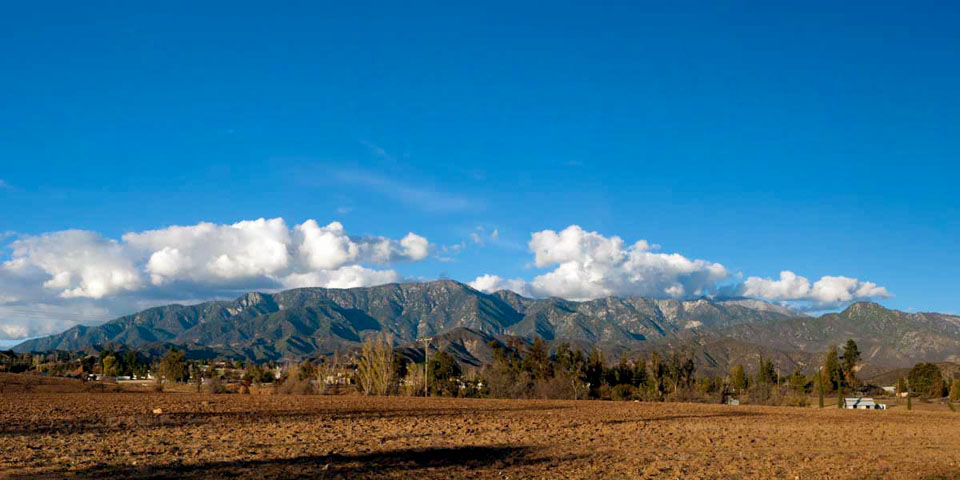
(317, 318)
(308, 322)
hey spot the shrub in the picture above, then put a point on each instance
(215, 385)
(623, 392)
(604, 392)
(926, 380)
(559, 387)
(797, 401)
(297, 387)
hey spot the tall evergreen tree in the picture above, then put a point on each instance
(851, 357)
(831, 369)
(738, 378)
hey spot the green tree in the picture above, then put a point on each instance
(658, 375)
(798, 382)
(851, 357)
(595, 371)
(306, 371)
(738, 379)
(766, 373)
(537, 360)
(571, 368)
(173, 367)
(831, 369)
(955, 390)
(622, 373)
(444, 374)
(641, 377)
(111, 367)
(926, 380)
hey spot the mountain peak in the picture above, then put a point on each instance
(306, 322)
(860, 308)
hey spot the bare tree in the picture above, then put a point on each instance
(328, 373)
(375, 366)
(415, 381)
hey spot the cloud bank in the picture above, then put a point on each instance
(50, 275)
(59, 279)
(587, 265)
(828, 291)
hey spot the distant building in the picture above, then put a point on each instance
(863, 403)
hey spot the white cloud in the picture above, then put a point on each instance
(69, 269)
(492, 283)
(207, 252)
(78, 263)
(325, 247)
(415, 247)
(590, 265)
(828, 291)
(344, 277)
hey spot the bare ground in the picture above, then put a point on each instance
(117, 435)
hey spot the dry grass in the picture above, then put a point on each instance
(84, 435)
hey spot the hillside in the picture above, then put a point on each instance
(309, 321)
(885, 337)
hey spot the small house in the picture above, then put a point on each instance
(863, 403)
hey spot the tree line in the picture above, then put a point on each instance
(518, 370)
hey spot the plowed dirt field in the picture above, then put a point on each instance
(119, 435)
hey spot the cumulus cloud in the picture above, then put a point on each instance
(329, 247)
(828, 291)
(203, 261)
(492, 283)
(344, 277)
(78, 263)
(207, 252)
(590, 265)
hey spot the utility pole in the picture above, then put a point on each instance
(426, 365)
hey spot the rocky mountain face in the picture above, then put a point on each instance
(310, 321)
(307, 322)
(885, 337)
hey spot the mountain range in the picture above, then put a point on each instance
(309, 322)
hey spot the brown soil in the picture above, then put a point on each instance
(118, 435)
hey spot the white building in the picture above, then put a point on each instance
(865, 403)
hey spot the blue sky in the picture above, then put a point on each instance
(819, 139)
